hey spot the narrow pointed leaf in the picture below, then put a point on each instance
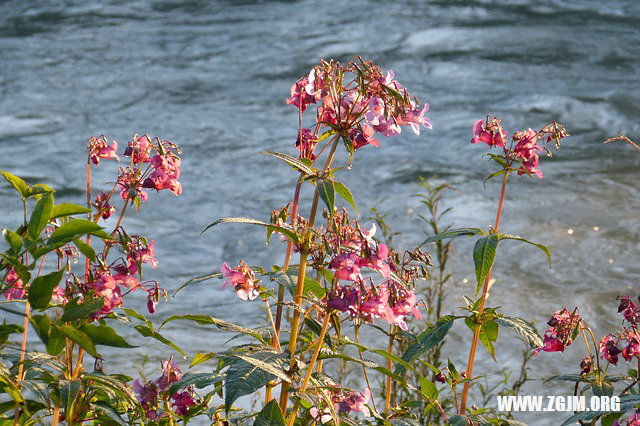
(81, 311)
(104, 335)
(85, 249)
(453, 233)
(524, 328)
(484, 254)
(292, 161)
(80, 338)
(40, 216)
(270, 228)
(327, 193)
(14, 240)
(426, 340)
(20, 185)
(344, 192)
(68, 209)
(524, 240)
(271, 415)
(221, 324)
(73, 229)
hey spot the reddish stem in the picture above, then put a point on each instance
(478, 327)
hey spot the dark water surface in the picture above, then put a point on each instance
(212, 77)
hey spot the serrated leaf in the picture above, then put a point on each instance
(40, 216)
(488, 334)
(214, 276)
(292, 161)
(271, 415)
(20, 185)
(484, 253)
(452, 233)
(290, 280)
(68, 209)
(270, 228)
(524, 328)
(494, 174)
(78, 337)
(345, 193)
(201, 357)
(426, 340)
(327, 193)
(85, 249)
(602, 389)
(73, 229)
(104, 335)
(221, 324)
(107, 410)
(199, 380)
(244, 377)
(14, 240)
(112, 382)
(41, 289)
(79, 311)
(627, 402)
(147, 331)
(524, 240)
(69, 391)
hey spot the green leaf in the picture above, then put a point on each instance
(524, 328)
(426, 340)
(73, 229)
(104, 335)
(81, 311)
(201, 357)
(271, 415)
(327, 193)
(453, 233)
(107, 410)
(427, 387)
(292, 161)
(53, 339)
(41, 289)
(344, 192)
(69, 391)
(248, 374)
(602, 389)
(38, 189)
(214, 276)
(14, 240)
(492, 175)
(221, 324)
(85, 249)
(68, 209)
(10, 387)
(270, 228)
(7, 329)
(484, 253)
(458, 420)
(113, 383)
(290, 280)
(40, 216)
(569, 378)
(20, 185)
(524, 240)
(19, 268)
(199, 380)
(488, 334)
(146, 331)
(78, 337)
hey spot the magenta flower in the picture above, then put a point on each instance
(139, 148)
(629, 309)
(307, 145)
(633, 345)
(303, 92)
(492, 133)
(106, 286)
(242, 279)
(166, 170)
(181, 402)
(585, 365)
(356, 401)
(363, 136)
(346, 267)
(16, 289)
(104, 209)
(563, 323)
(129, 183)
(100, 148)
(139, 253)
(608, 349)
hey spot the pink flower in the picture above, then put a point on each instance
(181, 402)
(563, 323)
(375, 113)
(139, 148)
(629, 309)
(346, 267)
(106, 286)
(165, 174)
(104, 209)
(303, 92)
(363, 136)
(388, 128)
(492, 134)
(99, 148)
(321, 417)
(129, 183)
(585, 365)
(138, 253)
(16, 289)
(307, 145)
(242, 279)
(170, 374)
(608, 349)
(531, 167)
(633, 346)
(356, 402)
(415, 118)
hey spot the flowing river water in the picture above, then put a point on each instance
(212, 77)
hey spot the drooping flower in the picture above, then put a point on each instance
(526, 149)
(166, 170)
(608, 349)
(356, 401)
(100, 148)
(306, 144)
(321, 417)
(129, 183)
(629, 309)
(104, 209)
(585, 365)
(489, 132)
(633, 345)
(563, 324)
(303, 92)
(363, 136)
(242, 279)
(139, 148)
(138, 253)
(415, 118)
(182, 401)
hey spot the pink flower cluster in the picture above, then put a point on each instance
(16, 289)
(242, 279)
(372, 101)
(526, 149)
(344, 401)
(634, 420)
(563, 324)
(150, 395)
(102, 206)
(100, 148)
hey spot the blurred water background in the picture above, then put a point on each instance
(212, 77)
